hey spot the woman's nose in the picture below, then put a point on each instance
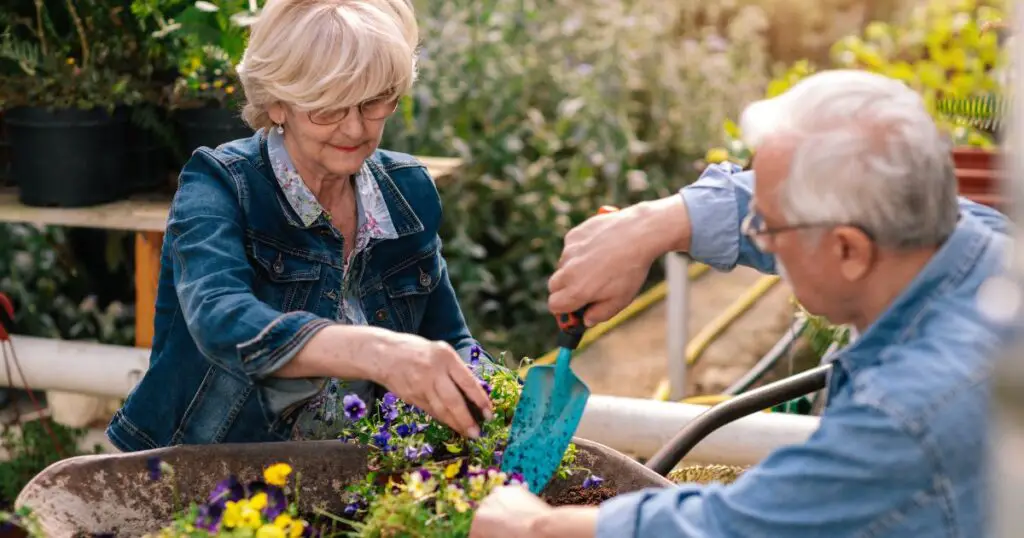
(352, 126)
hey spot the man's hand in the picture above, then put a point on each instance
(508, 511)
(606, 259)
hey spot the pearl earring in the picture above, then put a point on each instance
(280, 128)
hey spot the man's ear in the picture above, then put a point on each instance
(855, 250)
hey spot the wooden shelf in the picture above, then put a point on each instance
(141, 213)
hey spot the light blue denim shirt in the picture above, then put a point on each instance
(901, 448)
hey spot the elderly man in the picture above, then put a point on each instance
(855, 204)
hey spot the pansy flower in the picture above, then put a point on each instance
(592, 481)
(355, 408)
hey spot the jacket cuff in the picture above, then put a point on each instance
(278, 342)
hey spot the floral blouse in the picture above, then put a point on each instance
(320, 417)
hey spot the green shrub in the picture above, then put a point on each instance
(559, 107)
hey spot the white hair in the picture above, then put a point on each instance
(327, 54)
(866, 153)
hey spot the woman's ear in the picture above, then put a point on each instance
(277, 113)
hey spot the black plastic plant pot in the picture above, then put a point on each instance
(210, 127)
(68, 158)
(151, 158)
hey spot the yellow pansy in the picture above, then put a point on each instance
(452, 469)
(250, 518)
(277, 474)
(297, 528)
(270, 531)
(258, 501)
(232, 515)
(283, 521)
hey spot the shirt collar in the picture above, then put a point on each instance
(371, 208)
(944, 272)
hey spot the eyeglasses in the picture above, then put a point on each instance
(754, 227)
(374, 109)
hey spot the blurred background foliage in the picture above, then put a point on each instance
(558, 107)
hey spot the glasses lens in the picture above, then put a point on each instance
(327, 117)
(379, 108)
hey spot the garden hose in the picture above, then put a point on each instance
(734, 409)
(644, 301)
(770, 359)
(699, 344)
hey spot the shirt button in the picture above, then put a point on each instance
(381, 315)
(425, 280)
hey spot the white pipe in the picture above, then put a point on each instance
(75, 366)
(677, 322)
(639, 428)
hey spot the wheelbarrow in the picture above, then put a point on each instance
(113, 494)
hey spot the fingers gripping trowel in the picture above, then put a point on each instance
(549, 410)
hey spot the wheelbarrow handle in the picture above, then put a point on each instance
(733, 409)
(570, 325)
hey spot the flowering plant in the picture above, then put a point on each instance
(423, 479)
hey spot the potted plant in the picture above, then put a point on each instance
(206, 40)
(68, 104)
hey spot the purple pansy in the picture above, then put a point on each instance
(382, 439)
(153, 466)
(592, 481)
(229, 489)
(355, 408)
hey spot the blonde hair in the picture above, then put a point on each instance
(327, 55)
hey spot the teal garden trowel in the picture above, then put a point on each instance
(550, 408)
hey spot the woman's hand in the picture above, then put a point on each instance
(420, 372)
(426, 374)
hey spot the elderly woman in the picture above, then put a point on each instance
(303, 264)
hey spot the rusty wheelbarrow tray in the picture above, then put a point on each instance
(113, 493)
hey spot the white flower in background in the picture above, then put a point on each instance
(208, 7)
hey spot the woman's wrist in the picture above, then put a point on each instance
(566, 522)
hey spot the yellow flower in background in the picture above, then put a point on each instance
(229, 90)
(70, 61)
(716, 155)
(277, 474)
(270, 531)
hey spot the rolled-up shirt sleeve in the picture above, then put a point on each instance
(214, 279)
(858, 471)
(717, 203)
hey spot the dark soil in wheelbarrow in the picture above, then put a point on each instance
(580, 496)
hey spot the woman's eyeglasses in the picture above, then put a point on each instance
(374, 109)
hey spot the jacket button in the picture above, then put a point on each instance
(425, 279)
(278, 266)
(332, 295)
(381, 315)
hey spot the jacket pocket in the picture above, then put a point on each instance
(285, 278)
(409, 286)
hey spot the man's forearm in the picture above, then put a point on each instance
(567, 522)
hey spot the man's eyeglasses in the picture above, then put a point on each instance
(374, 109)
(754, 227)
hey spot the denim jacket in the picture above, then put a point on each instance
(901, 448)
(245, 283)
